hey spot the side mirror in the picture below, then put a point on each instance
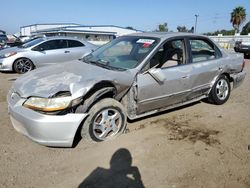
(39, 49)
(157, 74)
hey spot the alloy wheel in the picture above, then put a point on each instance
(222, 89)
(107, 123)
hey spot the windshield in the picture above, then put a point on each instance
(123, 52)
(31, 43)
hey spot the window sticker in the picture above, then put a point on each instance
(145, 41)
(146, 45)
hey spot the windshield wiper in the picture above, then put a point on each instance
(102, 63)
(99, 63)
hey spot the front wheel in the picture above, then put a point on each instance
(220, 91)
(23, 65)
(107, 119)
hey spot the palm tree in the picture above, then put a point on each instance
(238, 16)
(163, 27)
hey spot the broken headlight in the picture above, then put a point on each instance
(48, 104)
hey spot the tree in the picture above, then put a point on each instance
(162, 27)
(223, 32)
(238, 16)
(182, 29)
(246, 29)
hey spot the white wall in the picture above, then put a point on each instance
(229, 41)
(118, 30)
(27, 30)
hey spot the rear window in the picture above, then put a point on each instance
(74, 43)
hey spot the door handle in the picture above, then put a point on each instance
(66, 52)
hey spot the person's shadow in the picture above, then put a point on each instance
(121, 173)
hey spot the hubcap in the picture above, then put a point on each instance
(23, 65)
(107, 123)
(222, 89)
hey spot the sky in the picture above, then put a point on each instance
(143, 15)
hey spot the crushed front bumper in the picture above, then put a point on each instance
(48, 130)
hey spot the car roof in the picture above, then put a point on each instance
(164, 35)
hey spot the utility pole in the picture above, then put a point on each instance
(196, 17)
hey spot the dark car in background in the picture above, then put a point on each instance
(3, 39)
(19, 41)
(242, 48)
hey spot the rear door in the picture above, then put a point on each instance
(205, 60)
(76, 49)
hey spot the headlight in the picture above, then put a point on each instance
(8, 55)
(48, 104)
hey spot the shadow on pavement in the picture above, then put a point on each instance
(121, 173)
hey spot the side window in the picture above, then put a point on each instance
(53, 45)
(74, 43)
(171, 54)
(202, 50)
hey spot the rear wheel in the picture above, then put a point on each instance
(107, 119)
(23, 65)
(220, 91)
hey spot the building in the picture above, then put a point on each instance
(29, 29)
(97, 34)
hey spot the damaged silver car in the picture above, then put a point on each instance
(131, 77)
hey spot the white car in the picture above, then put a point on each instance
(43, 51)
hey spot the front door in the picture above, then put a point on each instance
(168, 83)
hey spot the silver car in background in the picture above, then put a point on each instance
(131, 77)
(43, 51)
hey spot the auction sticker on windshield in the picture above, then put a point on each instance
(147, 41)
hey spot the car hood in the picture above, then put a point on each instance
(11, 49)
(77, 77)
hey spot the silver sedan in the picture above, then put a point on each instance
(131, 77)
(43, 51)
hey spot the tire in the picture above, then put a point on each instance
(220, 91)
(23, 65)
(107, 119)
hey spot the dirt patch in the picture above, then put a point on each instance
(2, 97)
(162, 147)
(182, 130)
